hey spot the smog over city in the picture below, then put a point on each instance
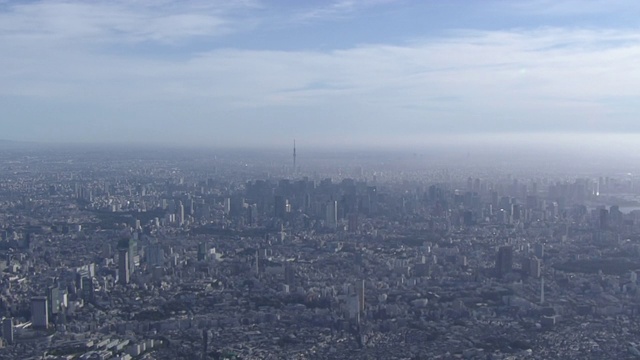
(337, 179)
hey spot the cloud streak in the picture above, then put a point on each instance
(117, 21)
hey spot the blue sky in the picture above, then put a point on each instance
(336, 73)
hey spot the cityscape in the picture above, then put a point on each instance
(319, 180)
(165, 254)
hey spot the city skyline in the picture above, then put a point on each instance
(328, 74)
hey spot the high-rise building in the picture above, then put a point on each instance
(539, 250)
(531, 266)
(7, 330)
(39, 312)
(289, 274)
(504, 260)
(281, 205)
(203, 251)
(603, 218)
(123, 266)
(180, 213)
(353, 222)
(155, 255)
(360, 293)
(227, 205)
(331, 219)
(253, 214)
(54, 297)
(131, 245)
(205, 343)
(87, 288)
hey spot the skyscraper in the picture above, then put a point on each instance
(180, 213)
(7, 330)
(289, 274)
(203, 251)
(123, 266)
(353, 222)
(87, 288)
(155, 255)
(332, 214)
(360, 293)
(131, 245)
(504, 261)
(281, 205)
(39, 312)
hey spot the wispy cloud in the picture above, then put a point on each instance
(573, 7)
(336, 10)
(120, 21)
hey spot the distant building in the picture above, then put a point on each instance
(123, 266)
(289, 274)
(203, 250)
(54, 297)
(131, 245)
(531, 266)
(7, 330)
(39, 312)
(281, 205)
(331, 218)
(353, 222)
(87, 288)
(539, 250)
(155, 255)
(360, 293)
(504, 260)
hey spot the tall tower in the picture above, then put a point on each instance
(294, 156)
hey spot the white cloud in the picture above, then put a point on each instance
(76, 55)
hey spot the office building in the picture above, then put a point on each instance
(39, 312)
(331, 219)
(360, 293)
(353, 222)
(203, 251)
(155, 255)
(131, 245)
(539, 250)
(123, 266)
(88, 289)
(7, 330)
(504, 260)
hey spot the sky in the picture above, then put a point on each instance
(252, 73)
